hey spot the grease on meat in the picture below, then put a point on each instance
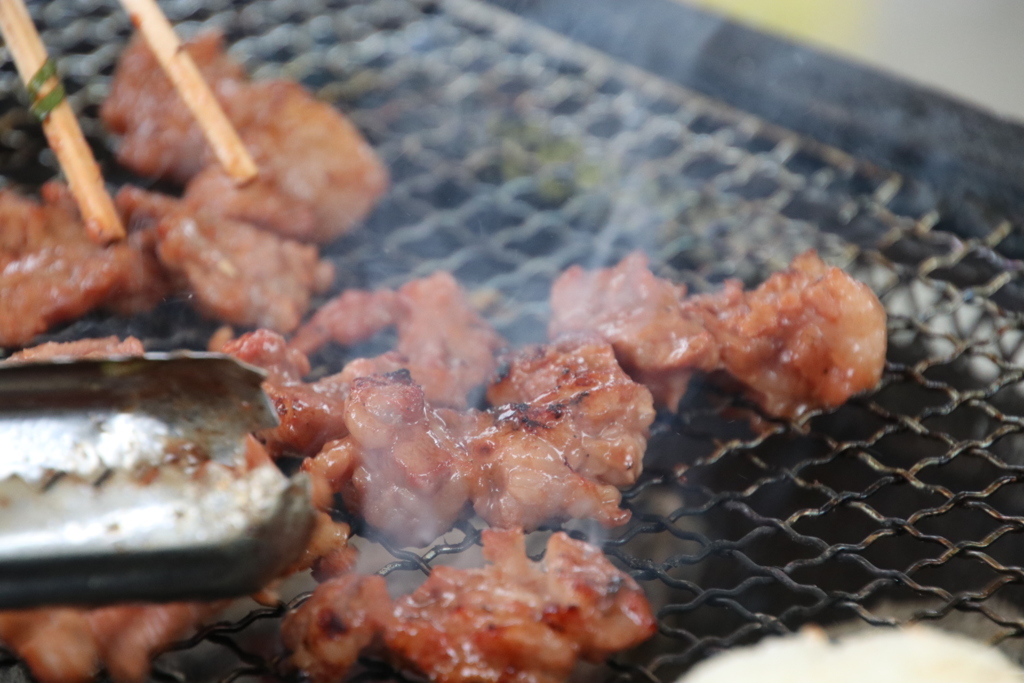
(809, 337)
(512, 620)
(344, 618)
(656, 342)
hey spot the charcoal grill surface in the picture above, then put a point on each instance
(516, 153)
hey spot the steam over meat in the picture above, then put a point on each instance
(310, 414)
(410, 468)
(443, 342)
(237, 273)
(50, 271)
(513, 620)
(657, 343)
(318, 177)
(353, 316)
(809, 337)
(402, 466)
(523, 456)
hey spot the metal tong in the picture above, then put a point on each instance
(126, 479)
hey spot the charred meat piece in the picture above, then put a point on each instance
(410, 468)
(443, 342)
(311, 414)
(611, 412)
(513, 620)
(318, 176)
(345, 617)
(809, 337)
(50, 271)
(237, 273)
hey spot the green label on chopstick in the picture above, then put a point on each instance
(42, 106)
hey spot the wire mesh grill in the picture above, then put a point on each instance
(516, 153)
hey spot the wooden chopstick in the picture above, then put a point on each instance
(59, 123)
(149, 19)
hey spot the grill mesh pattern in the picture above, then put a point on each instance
(515, 154)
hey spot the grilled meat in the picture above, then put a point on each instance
(236, 273)
(82, 348)
(310, 414)
(410, 468)
(318, 177)
(442, 341)
(50, 271)
(513, 620)
(611, 412)
(402, 465)
(808, 338)
(65, 645)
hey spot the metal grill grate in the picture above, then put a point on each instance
(516, 153)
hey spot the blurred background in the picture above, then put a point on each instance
(971, 49)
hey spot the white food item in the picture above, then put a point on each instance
(917, 654)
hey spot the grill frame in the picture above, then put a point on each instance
(715, 492)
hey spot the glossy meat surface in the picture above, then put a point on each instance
(808, 338)
(237, 273)
(344, 618)
(524, 475)
(410, 468)
(318, 176)
(310, 414)
(512, 620)
(443, 342)
(50, 271)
